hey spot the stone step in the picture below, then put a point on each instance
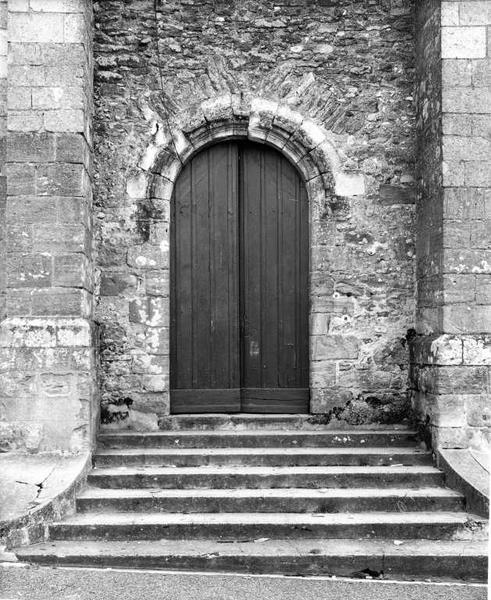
(405, 559)
(259, 438)
(270, 500)
(221, 422)
(265, 477)
(238, 526)
(190, 457)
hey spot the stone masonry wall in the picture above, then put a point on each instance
(3, 131)
(347, 66)
(46, 350)
(452, 354)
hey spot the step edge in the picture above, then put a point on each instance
(257, 432)
(363, 517)
(244, 469)
(111, 493)
(355, 450)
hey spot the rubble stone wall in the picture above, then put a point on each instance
(3, 131)
(347, 68)
(452, 352)
(47, 383)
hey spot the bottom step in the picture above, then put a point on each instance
(391, 559)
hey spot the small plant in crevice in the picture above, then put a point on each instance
(117, 411)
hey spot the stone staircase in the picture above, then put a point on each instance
(268, 494)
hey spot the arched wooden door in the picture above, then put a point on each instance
(239, 283)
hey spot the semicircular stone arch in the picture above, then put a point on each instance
(306, 145)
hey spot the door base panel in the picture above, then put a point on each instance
(275, 400)
(205, 401)
(248, 400)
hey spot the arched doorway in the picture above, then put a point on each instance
(239, 338)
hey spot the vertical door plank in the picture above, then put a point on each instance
(201, 270)
(181, 289)
(224, 351)
(271, 272)
(251, 254)
(290, 294)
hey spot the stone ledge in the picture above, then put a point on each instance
(466, 473)
(36, 490)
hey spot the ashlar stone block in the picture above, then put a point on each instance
(477, 350)
(449, 13)
(18, 5)
(32, 27)
(335, 347)
(474, 12)
(74, 29)
(463, 42)
(58, 97)
(58, 6)
(64, 120)
(478, 410)
(447, 410)
(31, 147)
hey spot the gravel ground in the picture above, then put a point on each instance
(47, 583)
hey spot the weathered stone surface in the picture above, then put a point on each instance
(61, 302)
(323, 374)
(148, 364)
(391, 194)
(31, 147)
(142, 421)
(447, 410)
(467, 318)
(113, 284)
(20, 436)
(451, 380)
(453, 175)
(478, 410)
(26, 270)
(153, 312)
(47, 28)
(464, 42)
(148, 256)
(155, 383)
(155, 340)
(335, 347)
(437, 350)
(477, 351)
(158, 284)
(46, 360)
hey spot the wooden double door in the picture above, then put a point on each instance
(239, 283)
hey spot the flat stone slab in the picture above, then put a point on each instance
(468, 472)
(392, 558)
(259, 438)
(239, 526)
(28, 481)
(473, 465)
(220, 421)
